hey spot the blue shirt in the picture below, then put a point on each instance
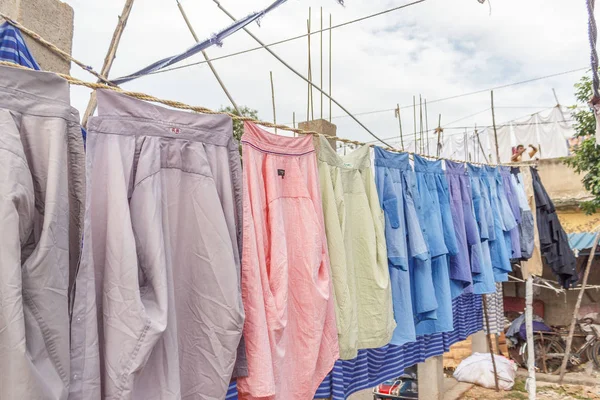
(498, 250)
(429, 186)
(401, 222)
(486, 283)
(511, 196)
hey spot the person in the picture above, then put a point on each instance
(518, 154)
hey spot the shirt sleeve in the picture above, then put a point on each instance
(417, 247)
(395, 226)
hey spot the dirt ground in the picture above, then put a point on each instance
(545, 391)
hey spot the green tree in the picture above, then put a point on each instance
(586, 157)
(238, 126)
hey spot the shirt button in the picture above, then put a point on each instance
(424, 230)
(78, 320)
(75, 377)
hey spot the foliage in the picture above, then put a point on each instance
(586, 158)
(238, 126)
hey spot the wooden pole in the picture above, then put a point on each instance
(495, 132)
(208, 61)
(415, 119)
(481, 146)
(110, 56)
(400, 124)
(421, 124)
(489, 340)
(530, 383)
(294, 121)
(563, 367)
(321, 61)
(330, 51)
(273, 97)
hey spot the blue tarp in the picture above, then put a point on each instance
(198, 47)
(581, 241)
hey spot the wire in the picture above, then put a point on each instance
(292, 38)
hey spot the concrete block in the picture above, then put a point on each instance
(479, 343)
(322, 126)
(431, 378)
(52, 20)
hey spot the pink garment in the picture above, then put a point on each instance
(290, 330)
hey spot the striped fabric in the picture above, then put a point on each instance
(13, 47)
(374, 366)
(495, 310)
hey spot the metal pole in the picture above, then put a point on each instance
(400, 124)
(208, 61)
(495, 132)
(489, 340)
(563, 367)
(273, 97)
(330, 51)
(110, 57)
(321, 61)
(530, 383)
(301, 76)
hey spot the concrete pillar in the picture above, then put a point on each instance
(431, 378)
(479, 343)
(52, 20)
(322, 126)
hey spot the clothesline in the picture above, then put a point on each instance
(204, 110)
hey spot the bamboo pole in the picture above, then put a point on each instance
(495, 132)
(330, 52)
(321, 48)
(310, 76)
(273, 98)
(481, 146)
(563, 367)
(439, 135)
(489, 340)
(400, 124)
(110, 56)
(299, 75)
(308, 71)
(421, 123)
(427, 128)
(208, 61)
(530, 384)
(415, 120)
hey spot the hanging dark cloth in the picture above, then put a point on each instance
(553, 240)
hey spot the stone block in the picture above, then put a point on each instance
(322, 126)
(52, 20)
(431, 378)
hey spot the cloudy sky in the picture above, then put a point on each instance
(438, 48)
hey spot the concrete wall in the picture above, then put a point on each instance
(562, 183)
(52, 20)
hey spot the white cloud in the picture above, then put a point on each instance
(438, 48)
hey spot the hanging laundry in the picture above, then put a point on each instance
(495, 311)
(483, 216)
(464, 266)
(553, 239)
(526, 227)
(290, 329)
(42, 188)
(433, 208)
(513, 202)
(396, 198)
(498, 249)
(534, 265)
(354, 223)
(158, 311)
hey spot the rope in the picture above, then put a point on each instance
(52, 47)
(204, 110)
(593, 36)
